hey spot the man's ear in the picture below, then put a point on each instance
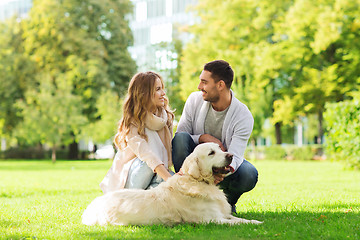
(221, 84)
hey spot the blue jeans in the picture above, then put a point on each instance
(242, 180)
(141, 176)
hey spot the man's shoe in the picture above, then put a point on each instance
(233, 209)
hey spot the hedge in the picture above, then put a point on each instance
(343, 131)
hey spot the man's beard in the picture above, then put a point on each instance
(212, 98)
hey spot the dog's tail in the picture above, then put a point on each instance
(95, 213)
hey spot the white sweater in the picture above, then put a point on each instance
(236, 131)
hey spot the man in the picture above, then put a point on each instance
(215, 115)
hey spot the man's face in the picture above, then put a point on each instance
(208, 87)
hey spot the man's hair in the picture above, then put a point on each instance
(220, 70)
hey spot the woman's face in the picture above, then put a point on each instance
(159, 96)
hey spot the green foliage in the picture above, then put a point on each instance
(37, 152)
(296, 200)
(275, 152)
(52, 115)
(59, 65)
(289, 57)
(109, 112)
(288, 152)
(300, 153)
(23, 153)
(343, 136)
(16, 74)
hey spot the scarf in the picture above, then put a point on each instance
(159, 125)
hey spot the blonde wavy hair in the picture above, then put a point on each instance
(138, 102)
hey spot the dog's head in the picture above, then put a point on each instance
(206, 160)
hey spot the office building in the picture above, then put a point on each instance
(9, 8)
(158, 21)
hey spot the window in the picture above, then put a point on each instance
(141, 11)
(161, 33)
(141, 36)
(169, 6)
(179, 6)
(156, 8)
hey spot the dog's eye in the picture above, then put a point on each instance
(212, 153)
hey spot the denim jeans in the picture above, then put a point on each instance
(242, 180)
(141, 176)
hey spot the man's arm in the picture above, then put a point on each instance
(239, 140)
(204, 138)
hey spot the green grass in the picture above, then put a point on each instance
(296, 200)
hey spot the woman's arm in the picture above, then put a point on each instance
(163, 172)
(141, 148)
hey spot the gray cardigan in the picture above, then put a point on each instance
(236, 131)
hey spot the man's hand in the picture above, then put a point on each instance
(218, 178)
(208, 138)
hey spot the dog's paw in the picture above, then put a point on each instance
(256, 222)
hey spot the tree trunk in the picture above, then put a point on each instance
(320, 128)
(73, 151)
(299, 133)
(253, 149)
(3, 144)
(53, 154)
(278, 132)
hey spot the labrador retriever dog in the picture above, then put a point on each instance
(188, 197)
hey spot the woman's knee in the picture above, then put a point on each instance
(140, 175)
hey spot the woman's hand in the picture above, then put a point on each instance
(162, 171)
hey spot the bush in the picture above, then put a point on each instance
(343, 136)
(23, 153)
(38, 153)
(300, 153)
(289, 152)
(274, 152)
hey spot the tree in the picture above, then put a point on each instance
(290, 57)
(109, 112)
(240, 32)
(325, 70)
(16, 74)
(53, 114)
(83, 46)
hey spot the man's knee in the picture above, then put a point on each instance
(245, 177)
(181, 138)
(182, 146)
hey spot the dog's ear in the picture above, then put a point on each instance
(191, 166)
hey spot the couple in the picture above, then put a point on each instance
(146, 149)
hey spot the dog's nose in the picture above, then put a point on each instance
(229, 156)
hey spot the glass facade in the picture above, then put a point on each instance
(152, 22)
(156, 21)
(9, 8)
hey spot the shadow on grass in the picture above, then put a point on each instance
(277, 225)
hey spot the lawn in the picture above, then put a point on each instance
(296, 200)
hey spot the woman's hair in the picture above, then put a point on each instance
(138, 102)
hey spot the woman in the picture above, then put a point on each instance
(143, 138)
